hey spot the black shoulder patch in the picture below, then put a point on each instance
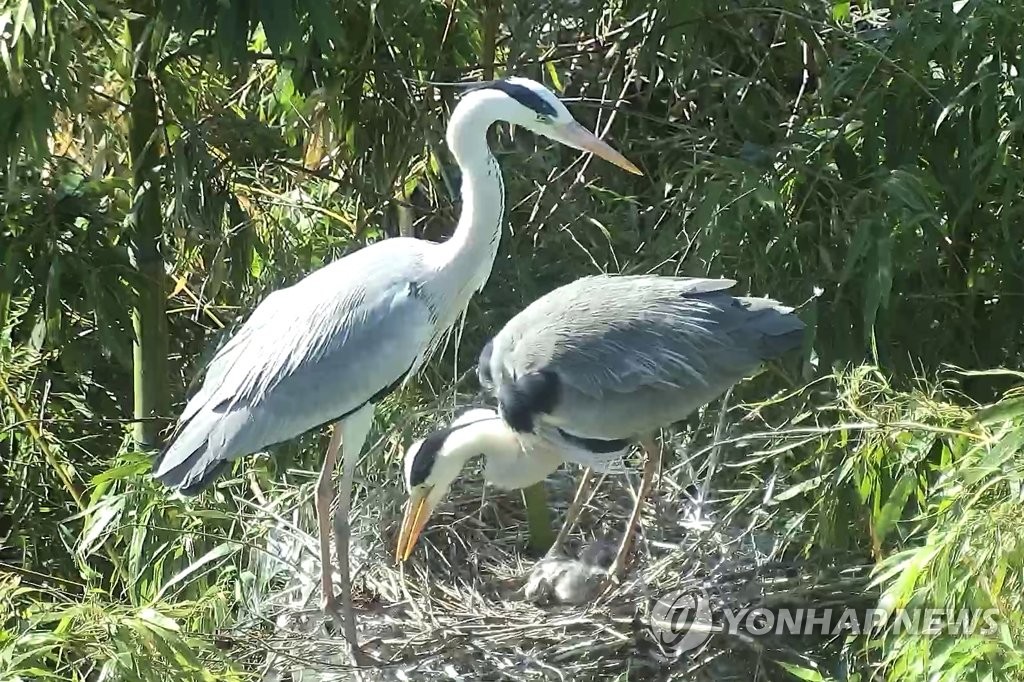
(525, 96)
(596, 445)
(532, 394)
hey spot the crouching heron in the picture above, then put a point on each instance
(588, 369)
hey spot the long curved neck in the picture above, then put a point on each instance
(469, 254)
(508, 465)
(489, 437)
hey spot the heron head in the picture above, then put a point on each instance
(527, 103)
(433, 463)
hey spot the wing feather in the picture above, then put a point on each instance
(307, 355)
(619, 334)
(632, 353)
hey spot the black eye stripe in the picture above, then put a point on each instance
(524, 95)
(423, 460)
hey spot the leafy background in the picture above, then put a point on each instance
(165, 165)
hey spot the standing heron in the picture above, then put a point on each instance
(328, 348)
(587, 369)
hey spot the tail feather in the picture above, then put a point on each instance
(188, 463)
(194, 474)
(781, 330)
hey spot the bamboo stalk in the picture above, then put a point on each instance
(149, 318)
(538, 518)
(491, 20)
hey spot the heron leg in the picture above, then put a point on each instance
(572, 513)
(652, 463)
(354, 430)
(324, 493)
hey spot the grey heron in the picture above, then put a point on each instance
(586, 370)
(328, 348)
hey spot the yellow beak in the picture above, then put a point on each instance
(417, 511)
(575, 135)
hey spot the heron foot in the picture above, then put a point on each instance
(615, 573)
(618, 568)
(329, 604)
(335, 625)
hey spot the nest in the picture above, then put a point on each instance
(456, 609)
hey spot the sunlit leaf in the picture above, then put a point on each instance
(215, 554)
(98, 523)
(799, 489)
(892, 510)
(1003, 411)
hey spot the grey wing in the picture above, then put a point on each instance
(630, 353)
(308, 355)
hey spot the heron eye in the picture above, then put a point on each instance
(541, 118)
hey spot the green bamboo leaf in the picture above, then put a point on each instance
(8, 274)
(112, 325)
(858, 247)
(52, 302)
(879, 285)
(24, 21)
(553, 75)
(120, 472)
(908, 193)
(37, 337)
(800, 672)
(212, 514)
(280, 24)
(1003, 411)
(892, 510)
(215, 554)
(138, 557)
(992, 373)
(995, 460)
(705, 212)
(846, 158)
(157, 619)
(809, 316)
(284, 87)
(98, 524)
(798, 489)
(328, 28)
(232, 29)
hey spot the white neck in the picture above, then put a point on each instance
(466, 259)
(509, 465)
(489, 436)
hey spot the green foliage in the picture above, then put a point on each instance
(933, 491)
(971, 557)
(869, 151)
